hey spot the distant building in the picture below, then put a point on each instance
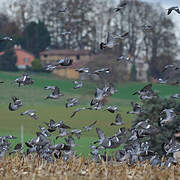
(80, 58)
(24, 58)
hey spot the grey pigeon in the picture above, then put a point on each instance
(118, 121)
(31, 113)
(17, 103)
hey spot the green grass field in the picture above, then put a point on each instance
(34, 98)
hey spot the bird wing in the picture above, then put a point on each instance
(98, 92)
(125, 34)
(14, 99)
(100, 133)
(55, 91)
(91, 125)
(118, 118)
(169, 11)
(51, 122)
(147, 88)
(177, 10)
(123, 4)
(75, 82)
(77, 110)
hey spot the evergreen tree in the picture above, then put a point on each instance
(36, 65)
(35, 38)
(8, 60)
(152, 110)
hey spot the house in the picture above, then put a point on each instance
(24, 58)
(80, 58)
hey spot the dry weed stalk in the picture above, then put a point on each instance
(32, 167)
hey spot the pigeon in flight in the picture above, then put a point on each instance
(118, 120)
(55, 93)
(170, 116)
(112, 41)
(18, 147)
(30, 113)
(174, 8)
(177, 96)
(50, 67)
(112, 109)
(136, 108)
(125, 59)
(88, 128)
(65, 62)
(62, 10)
(17, 103)
(6, 38)
(83, 70)
(121, 6)
(77, 110)
(77, 84)
(72, 102)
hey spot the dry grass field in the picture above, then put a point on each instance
(82, 169)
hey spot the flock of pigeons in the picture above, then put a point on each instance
(132, 150)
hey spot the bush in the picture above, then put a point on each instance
(36, 65)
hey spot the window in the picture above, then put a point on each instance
(45, 55)
(78, 57)
(26, 60)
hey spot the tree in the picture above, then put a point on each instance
(36, 65)
(152, 110)
(78, 19)
(35, 38)
(8, 60)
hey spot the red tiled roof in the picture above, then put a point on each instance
(66, 52)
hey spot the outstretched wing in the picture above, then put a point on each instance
(100, 133)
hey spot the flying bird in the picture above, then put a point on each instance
(174, 8)
(145, 90)
(88, 128)
(170, 116)
(65, 62)
(112, 109)
(118, 120)
(121, 6)
(112, 41)
(83, 70)
(55, 93)
(17, 103)
(77, 84)
(125, 59)
(77, 110)
(136, 108)
(72, 102)
(31, 113)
